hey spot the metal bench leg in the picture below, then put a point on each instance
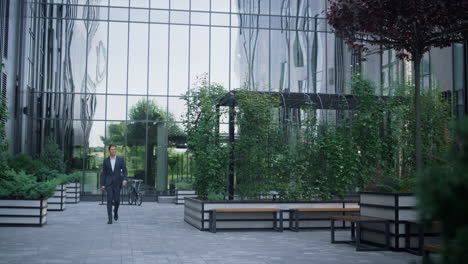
(213, 221)
(332, 232)
(387, 235)
(421, 238)
(296, 220)
(275, 221)
(358, 236)
(292, 220)
(353, 231)
(281, 221)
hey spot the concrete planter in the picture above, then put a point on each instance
(23, 212)
(196, 213)
(397, 207)
(166, 199)
(57, 202)
(73, 193)
(181, 194)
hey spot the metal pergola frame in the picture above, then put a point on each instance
(287, 100)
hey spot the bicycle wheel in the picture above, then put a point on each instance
(131, 197)
(139, 199)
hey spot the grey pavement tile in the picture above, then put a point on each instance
(157, 234)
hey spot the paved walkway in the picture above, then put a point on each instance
(156, 233)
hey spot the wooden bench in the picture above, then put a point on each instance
(356, 222)
(294, 214)
(421, 232)
(275, 212)
(430, 248)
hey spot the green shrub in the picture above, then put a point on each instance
(24, 162)
(53, 157)
(184, 184)
(443, 194)
(69, 178)
(209, 155)
(45, 174)
(19, 185)
(214, 196)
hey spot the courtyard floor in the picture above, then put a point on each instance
(156, 233)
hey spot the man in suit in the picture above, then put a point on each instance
(113, 177)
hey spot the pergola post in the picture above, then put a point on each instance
(230, 179)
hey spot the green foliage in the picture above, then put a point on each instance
(258, 144)
(53, 158)
(370, 148)
(442, 194)
(20, 185)
(3, 142)
(136, 131)
(44, 175)
(208, 154)
(24, 162)
(183, 184)
(215, 196)
(383, 131)
(69, 178)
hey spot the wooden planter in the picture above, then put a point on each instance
(181, 194)
(396, 207)
(73, 193)
(23, 212)
(57, 202)
(196, 213)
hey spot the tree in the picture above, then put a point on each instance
(136, 130)
(411, 27)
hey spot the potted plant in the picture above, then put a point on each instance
(23, 200)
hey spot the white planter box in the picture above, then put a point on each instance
(181, 194)
(23, 212)
(396, 207)
(196, 213)
(73, 193)
(57, 202)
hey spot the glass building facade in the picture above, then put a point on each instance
(88, 73)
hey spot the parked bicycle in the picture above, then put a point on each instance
(135, 196)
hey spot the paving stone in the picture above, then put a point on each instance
(157, 234)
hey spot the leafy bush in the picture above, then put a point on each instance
(214, 196)
(69, 178)
(203, 138)
(3, 142)
(45, 174)
(443, 194)
(184, 184)
(53, 157)
(19, 185)
(24, 162)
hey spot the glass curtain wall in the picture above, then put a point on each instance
(106, 72)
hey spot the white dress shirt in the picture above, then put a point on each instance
(112, 161)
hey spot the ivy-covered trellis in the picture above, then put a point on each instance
(285, 145)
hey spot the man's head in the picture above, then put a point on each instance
(112, 150)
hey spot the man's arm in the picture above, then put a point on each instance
(103, 174)
(124, 170)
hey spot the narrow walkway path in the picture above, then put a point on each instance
(156, 233)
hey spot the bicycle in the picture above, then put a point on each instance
(135, 196)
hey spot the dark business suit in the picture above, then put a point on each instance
(112, 180)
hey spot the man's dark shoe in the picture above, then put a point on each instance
(116, 216)
(109, 222)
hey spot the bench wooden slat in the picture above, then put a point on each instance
(328, 209)
(356, 218)
(433, 248)
(246, 210)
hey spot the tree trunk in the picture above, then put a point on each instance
(417, 105)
